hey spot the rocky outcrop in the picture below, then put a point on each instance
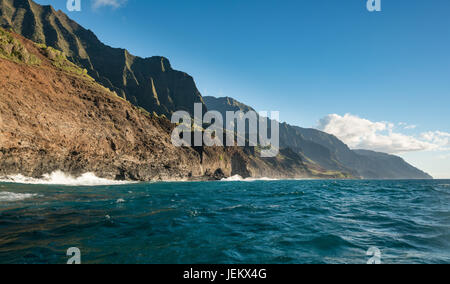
(150, 83)
(113, 79)
(55, 117)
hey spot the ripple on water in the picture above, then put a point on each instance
(223, 222)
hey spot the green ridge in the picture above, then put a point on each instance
(118, 70)
(12, 49)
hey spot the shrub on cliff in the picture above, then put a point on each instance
(12, 49)
(59, 60)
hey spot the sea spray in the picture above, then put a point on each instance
(60, 178)
(11, 196)
(239, 178)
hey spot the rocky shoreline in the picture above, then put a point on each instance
(57, 119)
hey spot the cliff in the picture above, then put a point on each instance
(99, 109)
(150, 83)
(54, 116)
(328, 152)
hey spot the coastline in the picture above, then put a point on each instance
(91, 179)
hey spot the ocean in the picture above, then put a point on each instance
(231, 222)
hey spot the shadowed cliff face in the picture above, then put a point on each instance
(328, 151)
(290, 137)
(150, 83)
(55, 117)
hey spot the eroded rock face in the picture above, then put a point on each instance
(54, 118)
(150, 83)
(327, 151)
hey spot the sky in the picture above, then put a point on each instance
(377, 80)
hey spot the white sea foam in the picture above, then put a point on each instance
(234, 178)
(60, 178)
(10, 196)
(239, 178)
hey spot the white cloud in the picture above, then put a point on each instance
(108, 3)
(438, 138)
(407, 126)
(360, 133)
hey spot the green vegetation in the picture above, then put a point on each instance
(144, 112)
(12, 49)
(153, 114)
(59, 60)
(331, 174)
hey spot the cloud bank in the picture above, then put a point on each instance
(440, 139)
(360, 133)
(108, 3)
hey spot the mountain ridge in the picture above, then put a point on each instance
(55, 117)
(150, 83)
(328, 151)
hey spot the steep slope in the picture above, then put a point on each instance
(53, 116)
(368, 164)
(329, 152)
(290, 136)
(386, 166)
(293, 137)
(153, 85)
(150, 83)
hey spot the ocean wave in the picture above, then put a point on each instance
(239, 178)
(60, 178)
(10, 196)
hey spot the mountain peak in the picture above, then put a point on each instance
(115, 68)
(327, 151)
(227, 103)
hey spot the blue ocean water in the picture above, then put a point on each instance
(227, 222)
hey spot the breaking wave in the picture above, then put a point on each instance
(239, 178)
(10, 196)
(60, 178)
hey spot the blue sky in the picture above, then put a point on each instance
(308, 59)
